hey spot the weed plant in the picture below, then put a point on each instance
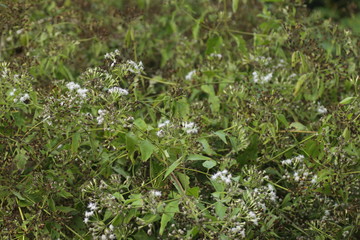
(177, 120)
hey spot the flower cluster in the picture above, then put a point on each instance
(76, 87)
(100, 119)
(190, 127)
(300, 172)
(161, 132)
(92, 207)
(224, 176)
(257, 78)
(23, 98)
(134, 67)
(118, 91)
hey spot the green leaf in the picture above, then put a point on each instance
(213, 44)
(196, 157)
(65, 209)
(299, 84)
(51, 204)
(195, 191)
(170, 210)
(209, 164)
(141, 124)
(172, 167)
(221, 135)
(75, 143)
(131, 142)
(220, 210)
(235, 5)
(347, 100)
(146, 149)
(282, 119)
(21, 159)
(207, 149)
(298, 126)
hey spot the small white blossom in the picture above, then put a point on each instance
(164, 124)
(92, 206)
(119, 91)
(134, 67)
(12, 92)
(190, 75)
(100, 119)
(72, 86)
(217, 55)
(103, 237)
(321, 109)
(223, 176)
(190, 127)
(314, 179)
(160, 133)
(86, 220)
(155, 193)
(89, 214)
(82, 92)
(24, 97)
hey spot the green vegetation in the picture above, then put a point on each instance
(222, 119)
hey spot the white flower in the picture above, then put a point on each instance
(321, 109)
(190, 127)
(190, 75)
(223, 176)
(267, 77)
(100, 119)
(89, 214)
(155, 193)
(217, 55)
(253, 217)
(24, 97)
(160, 133)
(164, 124)
(256, 77)
(12, 92)
(135, 67)
(119, 91)
(103, 237)
(111, 227)
(112, 236)
(92, 206)
(86, 220)
(82, 92)
(72, 86)
(314, 179)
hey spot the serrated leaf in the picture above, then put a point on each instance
(221, 135)
(140, 123)
(213, 44)
(206, 147)
(146, 149)
(172, 167)
(21, 159)
(170, 210)
(194, 191)
(220, 210)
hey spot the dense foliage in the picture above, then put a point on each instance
(177, 120)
